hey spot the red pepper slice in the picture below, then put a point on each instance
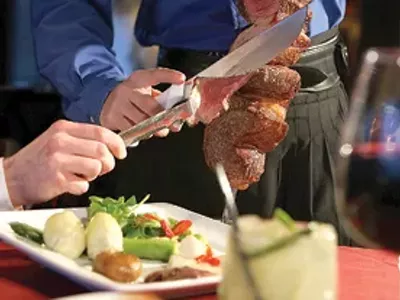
(208, 258)
(214, 261)
(201, 258)
(181, 227)
(209, 252)
(152, 217)
(167, 230)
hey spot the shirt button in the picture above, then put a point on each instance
(92, 120)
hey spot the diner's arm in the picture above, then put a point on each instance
(73, 41)
(5, 201)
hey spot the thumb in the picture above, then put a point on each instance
(145, 78)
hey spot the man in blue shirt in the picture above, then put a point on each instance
(73, 40)
(73, 45)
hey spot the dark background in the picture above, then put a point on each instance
(28, 105)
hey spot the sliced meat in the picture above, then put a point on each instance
(215, 93)
(176, 274)
(275, 82)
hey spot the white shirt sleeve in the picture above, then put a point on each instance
(5, 202)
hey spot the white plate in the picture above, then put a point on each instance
(80, 271)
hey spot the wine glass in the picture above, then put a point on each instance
(368, 167)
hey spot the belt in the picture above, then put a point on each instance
(324, 36)
(324, 64)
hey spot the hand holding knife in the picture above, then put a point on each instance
(178, 101)
(184, 108)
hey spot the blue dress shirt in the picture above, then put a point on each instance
(73, 40)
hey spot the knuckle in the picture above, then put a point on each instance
(55, 162)
(93, 169)
(101, 150)
(59, 180)
(60, 125)
(100, 134)
(108, 164)
(56, 143)
(103, 154)
(135, 75)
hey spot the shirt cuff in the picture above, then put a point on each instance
(88, 108)
(5, 201)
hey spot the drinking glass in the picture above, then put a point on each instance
(368, 167)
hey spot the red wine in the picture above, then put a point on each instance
(373, 193)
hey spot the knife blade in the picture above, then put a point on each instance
(252, 55)
(255, 53)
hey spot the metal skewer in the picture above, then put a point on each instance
(232, 214)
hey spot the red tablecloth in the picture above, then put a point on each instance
(363, 275)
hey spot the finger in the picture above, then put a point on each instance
(177, 126)
(95, 150)
(78, 147)
(91, 132)
(85, 167)
(146, 104)
(155, 93)
(150, 77)
(75, 185)
(124, 123)
(134, 111)
(162, 133)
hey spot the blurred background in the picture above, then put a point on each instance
(28, 104)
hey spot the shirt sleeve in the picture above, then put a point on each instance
(5, 201)
(73, 41)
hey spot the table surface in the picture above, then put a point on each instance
(363, 275)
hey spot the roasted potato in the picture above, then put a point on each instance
(118, 266)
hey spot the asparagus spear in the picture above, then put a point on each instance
(27, 231)
(153, 249)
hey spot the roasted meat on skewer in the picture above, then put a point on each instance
(251, 122)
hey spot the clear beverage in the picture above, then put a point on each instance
(304, 268)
